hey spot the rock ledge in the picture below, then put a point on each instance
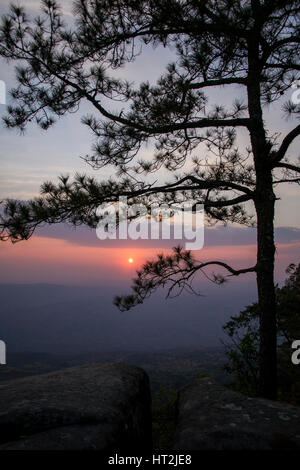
(211, 417)
(103, 406)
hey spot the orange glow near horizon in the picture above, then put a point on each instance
(50, 260)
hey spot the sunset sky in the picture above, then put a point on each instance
(61, 255)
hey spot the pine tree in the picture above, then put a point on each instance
(250, 44)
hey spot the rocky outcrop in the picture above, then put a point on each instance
(211, 417)
(103, 406)
(108, 407)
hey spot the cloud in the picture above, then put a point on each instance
(213, 236)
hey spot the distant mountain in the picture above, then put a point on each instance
(166, 368)
(77, 320)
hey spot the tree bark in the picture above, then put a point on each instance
(266, 292)
(265, 206)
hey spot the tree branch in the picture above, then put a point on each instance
(233, 272)
(197, 124)
(285, 145)
(288, 166)
(199, 184)
(221, 81)
(292, 180)
(283, 66)
(177, 271)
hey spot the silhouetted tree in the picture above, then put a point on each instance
(252, 44)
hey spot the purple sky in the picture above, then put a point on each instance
(64, 256)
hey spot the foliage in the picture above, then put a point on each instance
(59, 66)
(164, 418)
(243, 348)
(164, 415)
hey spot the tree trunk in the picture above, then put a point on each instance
(266, 294)
(264, 204)
(265, 207)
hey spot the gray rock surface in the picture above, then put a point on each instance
(211, 417)
(103, 406)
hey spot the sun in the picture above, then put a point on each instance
(130, 260)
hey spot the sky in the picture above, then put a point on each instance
(61, 255)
